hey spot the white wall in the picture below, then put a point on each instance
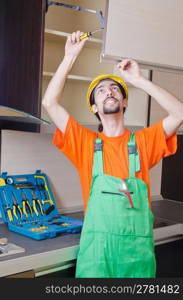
(25, 152)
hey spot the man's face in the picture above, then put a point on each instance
(108, 98)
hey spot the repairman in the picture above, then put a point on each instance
(117, 235)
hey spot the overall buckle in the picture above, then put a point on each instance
(132, 149)
(98, 147)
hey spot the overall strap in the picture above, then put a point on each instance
(98, 158)
(133, 156)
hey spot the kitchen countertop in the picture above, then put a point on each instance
(51, 255)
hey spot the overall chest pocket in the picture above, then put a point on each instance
(124, 196)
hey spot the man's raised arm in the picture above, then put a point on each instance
(131, 72)
(54, 92)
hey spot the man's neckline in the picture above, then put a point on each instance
(103, 136)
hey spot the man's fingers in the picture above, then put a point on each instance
(124, 64)
(69, 38)
(73, 37)
(78, 34)
(127, 65)
(82, 41)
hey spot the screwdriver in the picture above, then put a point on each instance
(36, 203)
(25, 203)
(89, 33)
(16, 207)
(8, 207)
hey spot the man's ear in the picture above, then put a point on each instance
(94, 108)
(125, 102)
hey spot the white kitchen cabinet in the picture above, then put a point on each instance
(148, 31)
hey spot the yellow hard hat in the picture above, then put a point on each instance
(97, 79)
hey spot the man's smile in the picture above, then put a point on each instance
(111, 99)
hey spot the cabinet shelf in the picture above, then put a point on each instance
(56, 36)
(71, 77)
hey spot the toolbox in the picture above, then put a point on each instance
(28, 207)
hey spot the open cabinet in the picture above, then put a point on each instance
(59, 23)
(21, 53)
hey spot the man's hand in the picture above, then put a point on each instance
(130, 71)
(74, 45)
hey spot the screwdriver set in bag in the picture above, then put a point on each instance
(28, 207)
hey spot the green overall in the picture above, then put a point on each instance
(117, 235)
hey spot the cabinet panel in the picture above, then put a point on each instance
(69, 20)
(169, 259)
(21, 35)
(172, 83)
(87, 64)
(172, 174)
(146, 32)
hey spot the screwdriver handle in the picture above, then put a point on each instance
(85, 35)
(16, 208)
(15, 211)
(10, 217)
(20, 211)
(29, 207)
(24, 204)
(24, 208)
(9, 214)
(40, 206)
(34, 207)
(36, 201)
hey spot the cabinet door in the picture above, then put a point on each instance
(21, 48)
(144, 30)
(172, 174)
(169, 259)
(172, 82)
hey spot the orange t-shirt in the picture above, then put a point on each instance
(77, 143)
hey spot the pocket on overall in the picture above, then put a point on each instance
(119, 215)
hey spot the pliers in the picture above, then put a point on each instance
(16, 208)
(36, 204)
(26, 205)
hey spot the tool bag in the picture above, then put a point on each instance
(28, 207)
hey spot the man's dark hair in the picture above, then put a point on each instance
(92, 100)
